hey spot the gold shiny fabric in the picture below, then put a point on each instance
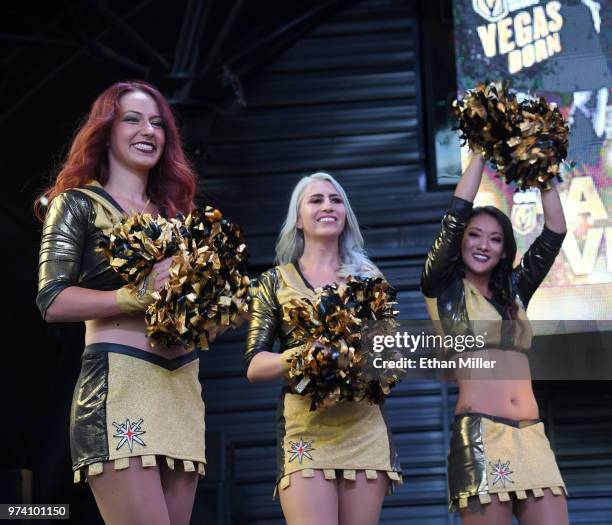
(131, 403)
(339, 440)
(479, 316)
(490, 457)
(275, 287)
(346, 437)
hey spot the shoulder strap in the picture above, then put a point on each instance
(290, 276)
(101, 192)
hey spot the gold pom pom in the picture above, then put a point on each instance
(208, 289)
(525, 141)
(330, 365)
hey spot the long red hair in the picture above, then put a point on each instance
(172, 182)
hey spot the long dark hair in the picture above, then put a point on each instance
(500, 281)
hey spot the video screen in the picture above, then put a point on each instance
(562, 51)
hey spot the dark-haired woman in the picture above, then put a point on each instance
(137, 417)
(500, 461)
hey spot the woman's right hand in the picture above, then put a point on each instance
(161, 273)
(133, 301)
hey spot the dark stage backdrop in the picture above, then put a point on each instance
(344, 98)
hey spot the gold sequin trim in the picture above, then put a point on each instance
(521, 494)
(95, 469)
(484, 498)
(507, 496)
(503, 496)
(330, 474)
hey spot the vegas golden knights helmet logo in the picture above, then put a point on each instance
(524, 217)
(491, 10)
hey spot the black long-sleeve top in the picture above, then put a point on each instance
(454, 300)
(69, 254)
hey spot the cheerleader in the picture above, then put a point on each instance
(334, 465)
(137, 417)
(500, 461)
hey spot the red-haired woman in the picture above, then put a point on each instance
(137, 418)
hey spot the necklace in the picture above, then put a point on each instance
(145, 206)
(129, 201)
(143, 209)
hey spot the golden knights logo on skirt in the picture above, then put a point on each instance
(128, 433)
(300, 450)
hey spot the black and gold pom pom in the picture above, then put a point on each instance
(525, 141)
(208, 289)
(330, 365)
(137, 243)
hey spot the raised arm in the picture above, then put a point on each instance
(445, 252)
(554, 219)
(468, 185)
(541, 255)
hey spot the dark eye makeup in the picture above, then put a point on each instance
(130, 117)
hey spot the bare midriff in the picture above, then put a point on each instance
(128, 330)
(504, 390)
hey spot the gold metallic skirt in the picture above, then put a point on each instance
(493, 455)
(131, 403)
(344, 438)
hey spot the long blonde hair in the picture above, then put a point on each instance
(290, 243)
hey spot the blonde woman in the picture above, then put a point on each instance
(334, 465)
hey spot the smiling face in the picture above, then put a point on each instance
(137, 136)
(483, 245)
(321, 212)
